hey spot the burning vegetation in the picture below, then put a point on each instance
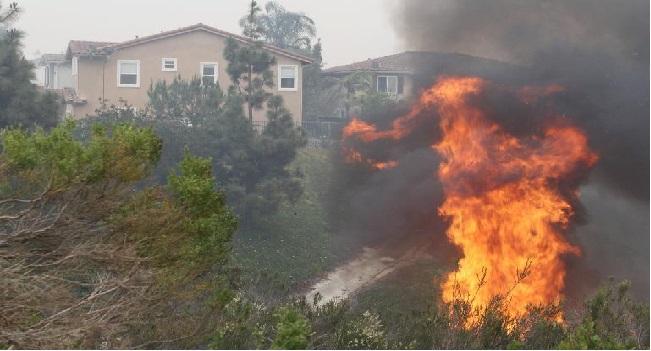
(508, 199)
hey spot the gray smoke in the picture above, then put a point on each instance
(599, 51)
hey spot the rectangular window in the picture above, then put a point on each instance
(209, 71)
(288, 76)
(75, 65)
(169, 64)
(47, 76)
(387, 84)
(129, 73)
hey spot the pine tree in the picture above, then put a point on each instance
(21, 103)
(249, 65)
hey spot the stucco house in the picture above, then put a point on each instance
(53, 71)
(405, 74)
(126, 70)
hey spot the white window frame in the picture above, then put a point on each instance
(46, 76)
(377, 85)
(137, 84)
(295, 67)
(202, 64)
(75, 66)
(166, 69)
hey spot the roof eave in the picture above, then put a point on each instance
(134, 42)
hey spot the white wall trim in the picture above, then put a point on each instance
(295, 88)
(216, 64)
(165, 69)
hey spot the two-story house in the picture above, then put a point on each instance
(404, 75)
(125, 70)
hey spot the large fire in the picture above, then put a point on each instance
(502, 199)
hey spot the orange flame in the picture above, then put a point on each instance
(500, 195)
(506, 213)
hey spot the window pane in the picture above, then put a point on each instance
(169, 64)
(392, 85)
(128, 79)
(287, 83)
(208, 70)
(287, 72)
(382, 84)
(128, 68)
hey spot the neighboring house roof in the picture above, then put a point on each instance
(45, 58)
(68, 96)
(85, 47)
(407, 62)
(76, 47)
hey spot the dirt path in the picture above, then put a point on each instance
(368, 268)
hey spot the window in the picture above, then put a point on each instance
(287, 76)
(387, 84)
(47, 76)
(209, 71)
(75, 65)
(169, 64)
(129, 73)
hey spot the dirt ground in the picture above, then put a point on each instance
(369, 267)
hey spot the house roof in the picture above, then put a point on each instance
(85, 47)
(90, 47)
(68, 96)
(407, 62)
(50, 58)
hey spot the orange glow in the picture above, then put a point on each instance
(352, 156)
(385, 165)
(506, 214)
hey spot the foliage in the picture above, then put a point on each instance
(374, 103)
(208, 221)
(612, 320)
(185, 234)
(190, 102)
(364, 333)
(271, 267)
(21, 103)
(62, 282)
(293, 331)
(251, 167)
(249, 65)
(321, 93)
(287, 30)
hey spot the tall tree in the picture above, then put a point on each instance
(249, 65)
(20, 101)
(287, 30)
(321, 93)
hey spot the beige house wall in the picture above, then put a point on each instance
(98, 78)
(89, 81)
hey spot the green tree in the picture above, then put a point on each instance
(249, 64)
(354, 87)
(20, 101)
(293, 331)
(190, 102)
(293, 31)
(321, 93)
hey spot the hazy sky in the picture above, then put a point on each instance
(350, 30)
